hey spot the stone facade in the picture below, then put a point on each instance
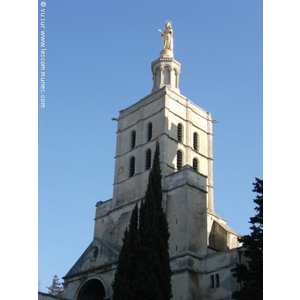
(44, 296)
(203, 249)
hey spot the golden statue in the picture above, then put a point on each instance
(167, 36)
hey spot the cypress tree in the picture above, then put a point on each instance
(144, 271)
(250, 275)
(154, 272)
(125, 275)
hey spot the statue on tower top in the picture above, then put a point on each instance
(167, 36)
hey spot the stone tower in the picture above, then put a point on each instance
(197, 234)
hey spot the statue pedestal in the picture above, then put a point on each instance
(166, 53)
(166, 71)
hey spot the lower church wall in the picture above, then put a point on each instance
(194, 277)
(191, 263)
(217, 279)
(78, 284)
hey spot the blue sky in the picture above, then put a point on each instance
(97, 62)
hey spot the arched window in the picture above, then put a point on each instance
(195, 164)
(157, 77)
(149, 131)
(179, 132)
(166, 73)
(176, 78)
(212, 281)
(217, 280)
(179, 160)
(148, 159)
(131, 166)
(195, 141)
(133, 135)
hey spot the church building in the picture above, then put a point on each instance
(202, 247)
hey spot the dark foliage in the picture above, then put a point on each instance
(250, 274)
(144, 265)
(123, 284)
(155, 274)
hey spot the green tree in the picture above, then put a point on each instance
(123, 284)
(56, 289)
(144, 265)
(250, 274)
(154, 272)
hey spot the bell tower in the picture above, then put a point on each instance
(184, 130)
